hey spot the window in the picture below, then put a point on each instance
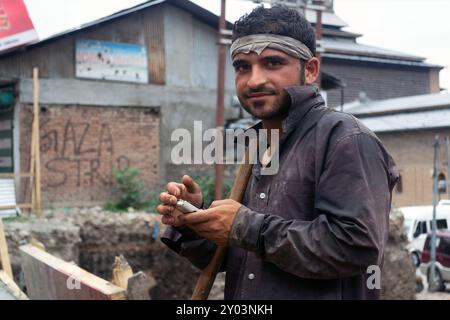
(445, 246)
(428, 243)
(441, 224)
(420, 229)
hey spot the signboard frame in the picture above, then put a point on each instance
(111, 61)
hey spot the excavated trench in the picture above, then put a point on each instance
(92, 238)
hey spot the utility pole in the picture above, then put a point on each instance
(447, 147)
(319, 7)
(218, 188)
(437, 159)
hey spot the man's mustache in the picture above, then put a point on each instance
(263, 90)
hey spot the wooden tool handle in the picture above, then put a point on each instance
(208, 275)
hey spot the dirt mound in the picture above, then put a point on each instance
(92, 238)
(399, 274)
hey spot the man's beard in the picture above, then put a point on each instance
(280, 107)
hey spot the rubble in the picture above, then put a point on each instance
(61, 238)
(92, 238)
(399, 273)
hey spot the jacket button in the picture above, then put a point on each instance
(262, 195)
(251, 276)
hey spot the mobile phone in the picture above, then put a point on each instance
(186, 207)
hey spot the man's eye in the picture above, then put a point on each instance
(273, 63)
(241, 68)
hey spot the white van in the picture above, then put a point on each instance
(418, 224)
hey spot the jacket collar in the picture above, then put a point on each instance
(303, 99)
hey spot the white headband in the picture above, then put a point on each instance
(258, 42)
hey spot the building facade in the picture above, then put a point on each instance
(375, 72)
(408, 128)
(90, 124)
(100, 111)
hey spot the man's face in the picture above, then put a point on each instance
(260, 80)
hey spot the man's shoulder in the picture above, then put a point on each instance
(335, 126)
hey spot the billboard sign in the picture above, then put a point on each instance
(16, 27)
(112, 61)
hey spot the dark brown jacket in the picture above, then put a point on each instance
(312, 230)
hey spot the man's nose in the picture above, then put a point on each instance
(257, 78)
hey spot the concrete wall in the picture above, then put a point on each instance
(376, 80)
(413, 154)
(192, 52)
(192, 63)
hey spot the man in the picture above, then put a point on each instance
(312, 230)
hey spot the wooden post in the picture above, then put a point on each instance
(4, 255)
(32, 170)
(11, 287)
(37, 160)
(208, 275)
(50, 278)
(121, 272)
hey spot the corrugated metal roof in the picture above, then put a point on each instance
(399, 105)
(199, 12)
(346, 49)
(328, 18)
(354, 48)
(409, 121)
(340, 33)
(380, 60)
(7, 197)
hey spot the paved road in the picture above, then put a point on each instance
(425, 295)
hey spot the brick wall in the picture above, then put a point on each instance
(80, 146)
(413, 154)
(377, 81)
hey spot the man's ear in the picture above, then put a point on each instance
(312, 69)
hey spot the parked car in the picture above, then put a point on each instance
(418, 223)
(243, 123)
(442, 274)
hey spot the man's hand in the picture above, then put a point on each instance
(214, 223)
(188, 190)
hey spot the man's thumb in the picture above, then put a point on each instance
(191, 185)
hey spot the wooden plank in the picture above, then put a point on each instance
(11, 287)
(95, 93)
(4, 255)
(36, 243)
(21, 206)
(36, 141)
(14, 175)
(32, 168)
(50, 278)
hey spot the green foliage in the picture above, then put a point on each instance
(129, 190)
(153, 201)
(206, 183)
